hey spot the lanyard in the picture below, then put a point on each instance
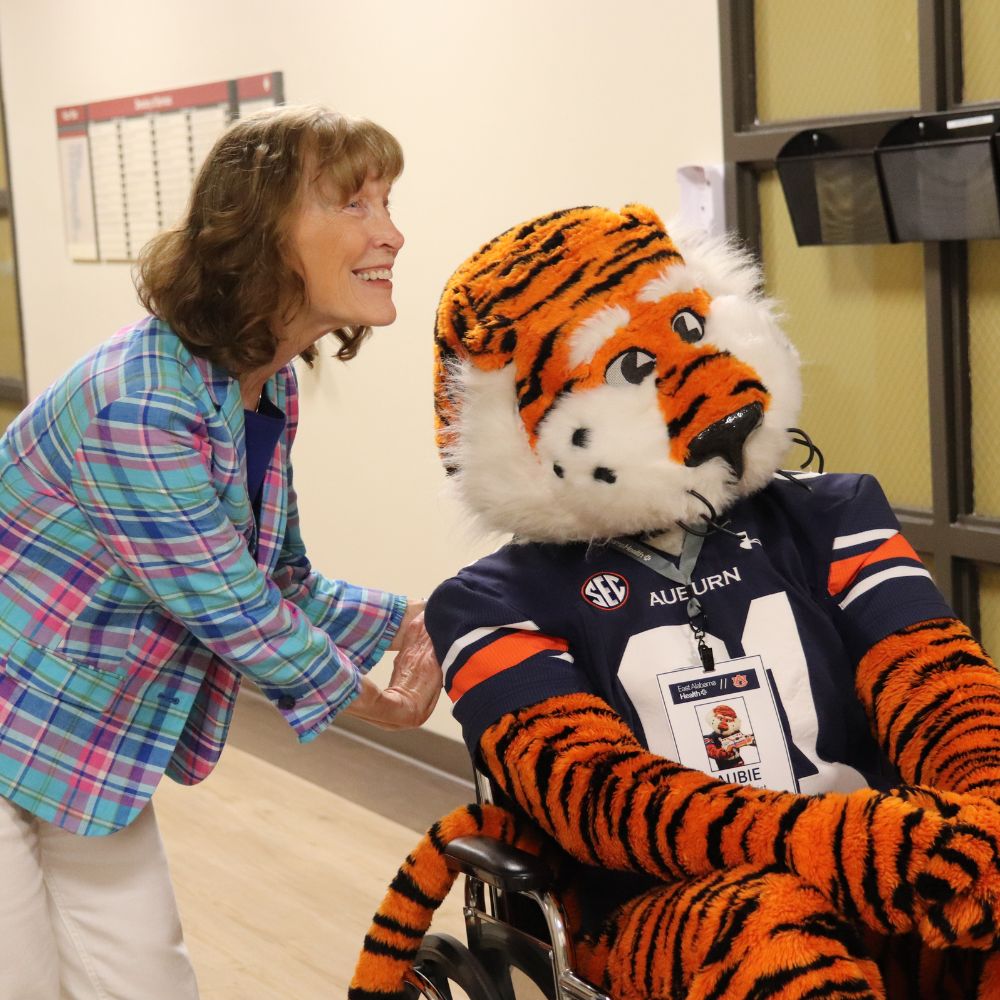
(681, 573)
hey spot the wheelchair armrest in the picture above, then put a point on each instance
(497, 864)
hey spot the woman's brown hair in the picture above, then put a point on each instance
(221, 275)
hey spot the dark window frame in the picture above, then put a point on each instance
(12, 389)
(950, 532)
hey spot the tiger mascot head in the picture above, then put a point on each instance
(596, 378)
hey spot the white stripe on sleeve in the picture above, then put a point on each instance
(875, 579)
(847, 541)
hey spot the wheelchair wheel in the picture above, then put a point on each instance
(514, 962)
(453, 970)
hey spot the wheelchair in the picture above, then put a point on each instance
(518, 946)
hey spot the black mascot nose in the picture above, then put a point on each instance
(726, 438)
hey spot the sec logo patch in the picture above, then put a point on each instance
(605, 591)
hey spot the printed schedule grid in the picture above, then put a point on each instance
(127, 165)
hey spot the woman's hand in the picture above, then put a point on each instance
(414, 686)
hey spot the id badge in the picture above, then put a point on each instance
(726, 723)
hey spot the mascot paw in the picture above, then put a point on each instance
(915, 860)
(950, 881)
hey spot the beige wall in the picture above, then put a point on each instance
(504, 111)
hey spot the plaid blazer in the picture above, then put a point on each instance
(130, 603)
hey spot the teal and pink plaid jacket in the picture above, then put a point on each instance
(130, 603)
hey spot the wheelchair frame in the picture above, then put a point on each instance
(495, 876)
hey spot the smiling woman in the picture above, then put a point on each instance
(281, 189)
(152, 554)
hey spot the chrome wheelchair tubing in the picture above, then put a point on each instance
(477, 892)
(484, 795)
(570, 985)
(483, 791)
(422, 984)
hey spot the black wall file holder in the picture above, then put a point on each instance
(832, 185)
(927, 177)
(940, 176)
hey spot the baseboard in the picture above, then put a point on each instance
(420, 745)
(411, 778)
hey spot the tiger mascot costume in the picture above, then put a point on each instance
(622, 403)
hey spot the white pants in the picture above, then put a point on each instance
(88, 918)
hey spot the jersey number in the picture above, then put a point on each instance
(769, 632)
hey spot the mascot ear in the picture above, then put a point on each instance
(642, 214)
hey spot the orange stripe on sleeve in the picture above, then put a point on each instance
(499, 656)
(843, 571)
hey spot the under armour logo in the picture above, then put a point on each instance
(747, 542)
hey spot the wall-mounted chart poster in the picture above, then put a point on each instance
(127, 164)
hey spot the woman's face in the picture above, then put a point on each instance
(345, 254)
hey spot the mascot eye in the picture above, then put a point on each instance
(689, 326)
(630, 368)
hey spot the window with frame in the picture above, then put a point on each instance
(900, 342)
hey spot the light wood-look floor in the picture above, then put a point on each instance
(277, 879)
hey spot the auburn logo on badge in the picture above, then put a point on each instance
(605, 591)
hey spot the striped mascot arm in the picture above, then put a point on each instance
(933, 698)
(573, 765)
(419, 888)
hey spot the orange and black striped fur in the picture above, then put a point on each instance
(753, 893)
(742, 892)
(745, 872)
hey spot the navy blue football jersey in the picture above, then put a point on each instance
(808, 580)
